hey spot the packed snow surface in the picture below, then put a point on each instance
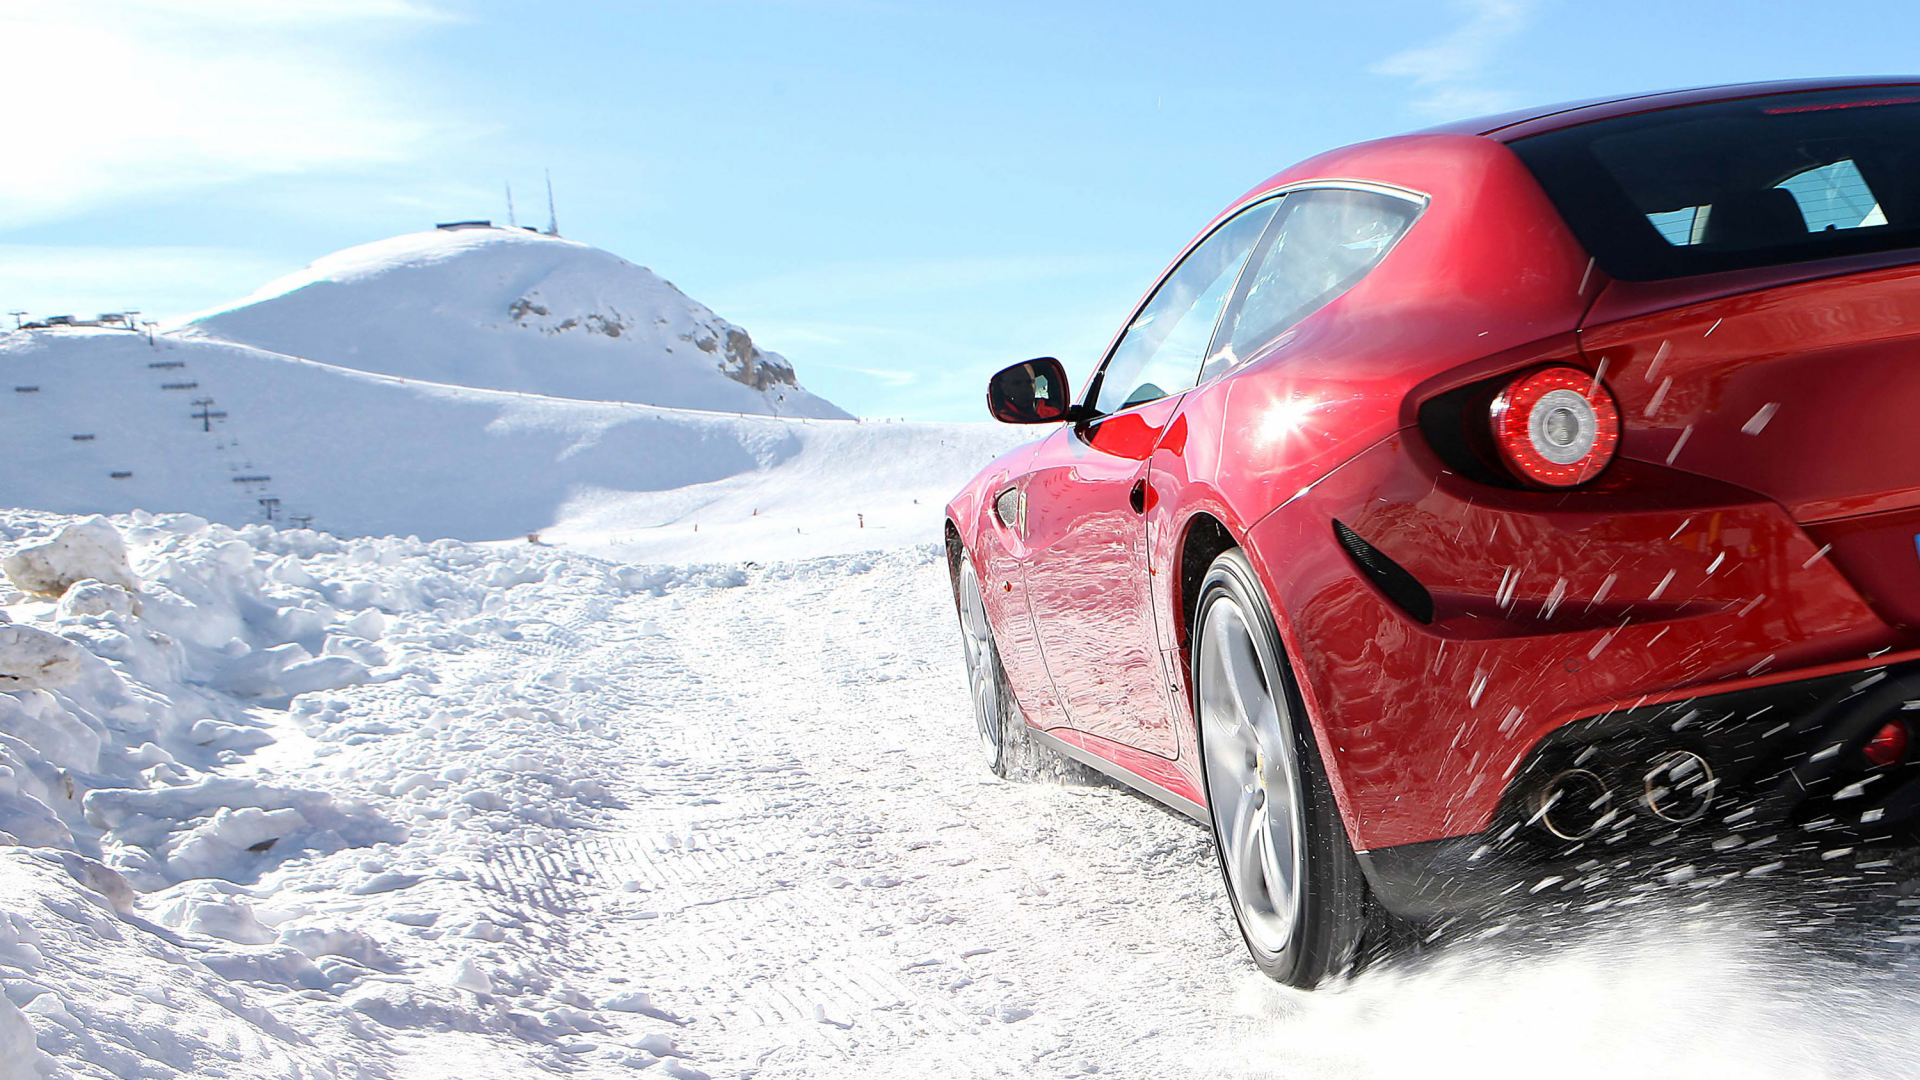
(509, 309)
(312, 807)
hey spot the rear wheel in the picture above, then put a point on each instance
(1296, 888)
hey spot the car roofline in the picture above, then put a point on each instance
(1524, 122)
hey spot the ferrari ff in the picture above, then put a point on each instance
(1465, 511)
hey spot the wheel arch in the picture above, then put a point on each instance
(1204, 537)
(1203, 541)
(956, 550)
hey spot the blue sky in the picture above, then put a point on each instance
(901, 197)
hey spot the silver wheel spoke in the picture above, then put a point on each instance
(1248, 868)
(1271, 874)
(1241, 668)
(983, 676)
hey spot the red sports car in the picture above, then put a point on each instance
(1464, 510)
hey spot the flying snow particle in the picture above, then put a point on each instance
(1659, 396)
(1758, 422)
(1685, 434)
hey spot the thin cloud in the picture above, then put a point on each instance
(1447, 73)
(891, 378)
(121, 99)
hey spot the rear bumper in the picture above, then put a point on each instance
(1789, 785)
(1548, 609)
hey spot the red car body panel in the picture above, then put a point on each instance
(999, 553)
(1165, 775)
(1827, 361)
(1757, 527)
(1087, 578)
(1802, 393)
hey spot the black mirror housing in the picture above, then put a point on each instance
(1034, 392)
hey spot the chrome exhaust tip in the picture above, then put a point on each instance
(1572, 805)
(1679, 787)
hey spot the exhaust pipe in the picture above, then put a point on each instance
(1679, 787)
(1572, 805)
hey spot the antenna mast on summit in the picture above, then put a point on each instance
(511, 223)
(553, 219)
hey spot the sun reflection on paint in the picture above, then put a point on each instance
(1286, 419)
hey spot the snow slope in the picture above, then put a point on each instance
(508, 309)
(384, 808)
(356, 453)
(847, 488)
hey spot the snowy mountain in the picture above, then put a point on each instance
(478, 384)
(508, 309)
(102, 421)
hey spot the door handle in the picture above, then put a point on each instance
(1137, 497)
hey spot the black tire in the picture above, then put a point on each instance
(1300, 934)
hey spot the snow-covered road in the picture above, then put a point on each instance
(862, 896)
(534, 813)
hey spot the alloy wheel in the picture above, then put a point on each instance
(1253, 777)
(983, 671)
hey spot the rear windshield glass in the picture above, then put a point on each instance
(1737, 184)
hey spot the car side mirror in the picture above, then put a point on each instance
(1034, 392)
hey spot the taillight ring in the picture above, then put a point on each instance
(1563, 427)
(1555, 427)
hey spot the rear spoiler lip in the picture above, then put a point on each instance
(1619, 299)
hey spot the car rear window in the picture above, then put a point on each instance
(1736, 184)
(1321, 243)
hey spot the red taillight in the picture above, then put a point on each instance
(1555, 427)
(1888, 745)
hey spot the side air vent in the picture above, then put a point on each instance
(1401, 587)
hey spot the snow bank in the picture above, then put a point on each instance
(239, 810)
(114, 719)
